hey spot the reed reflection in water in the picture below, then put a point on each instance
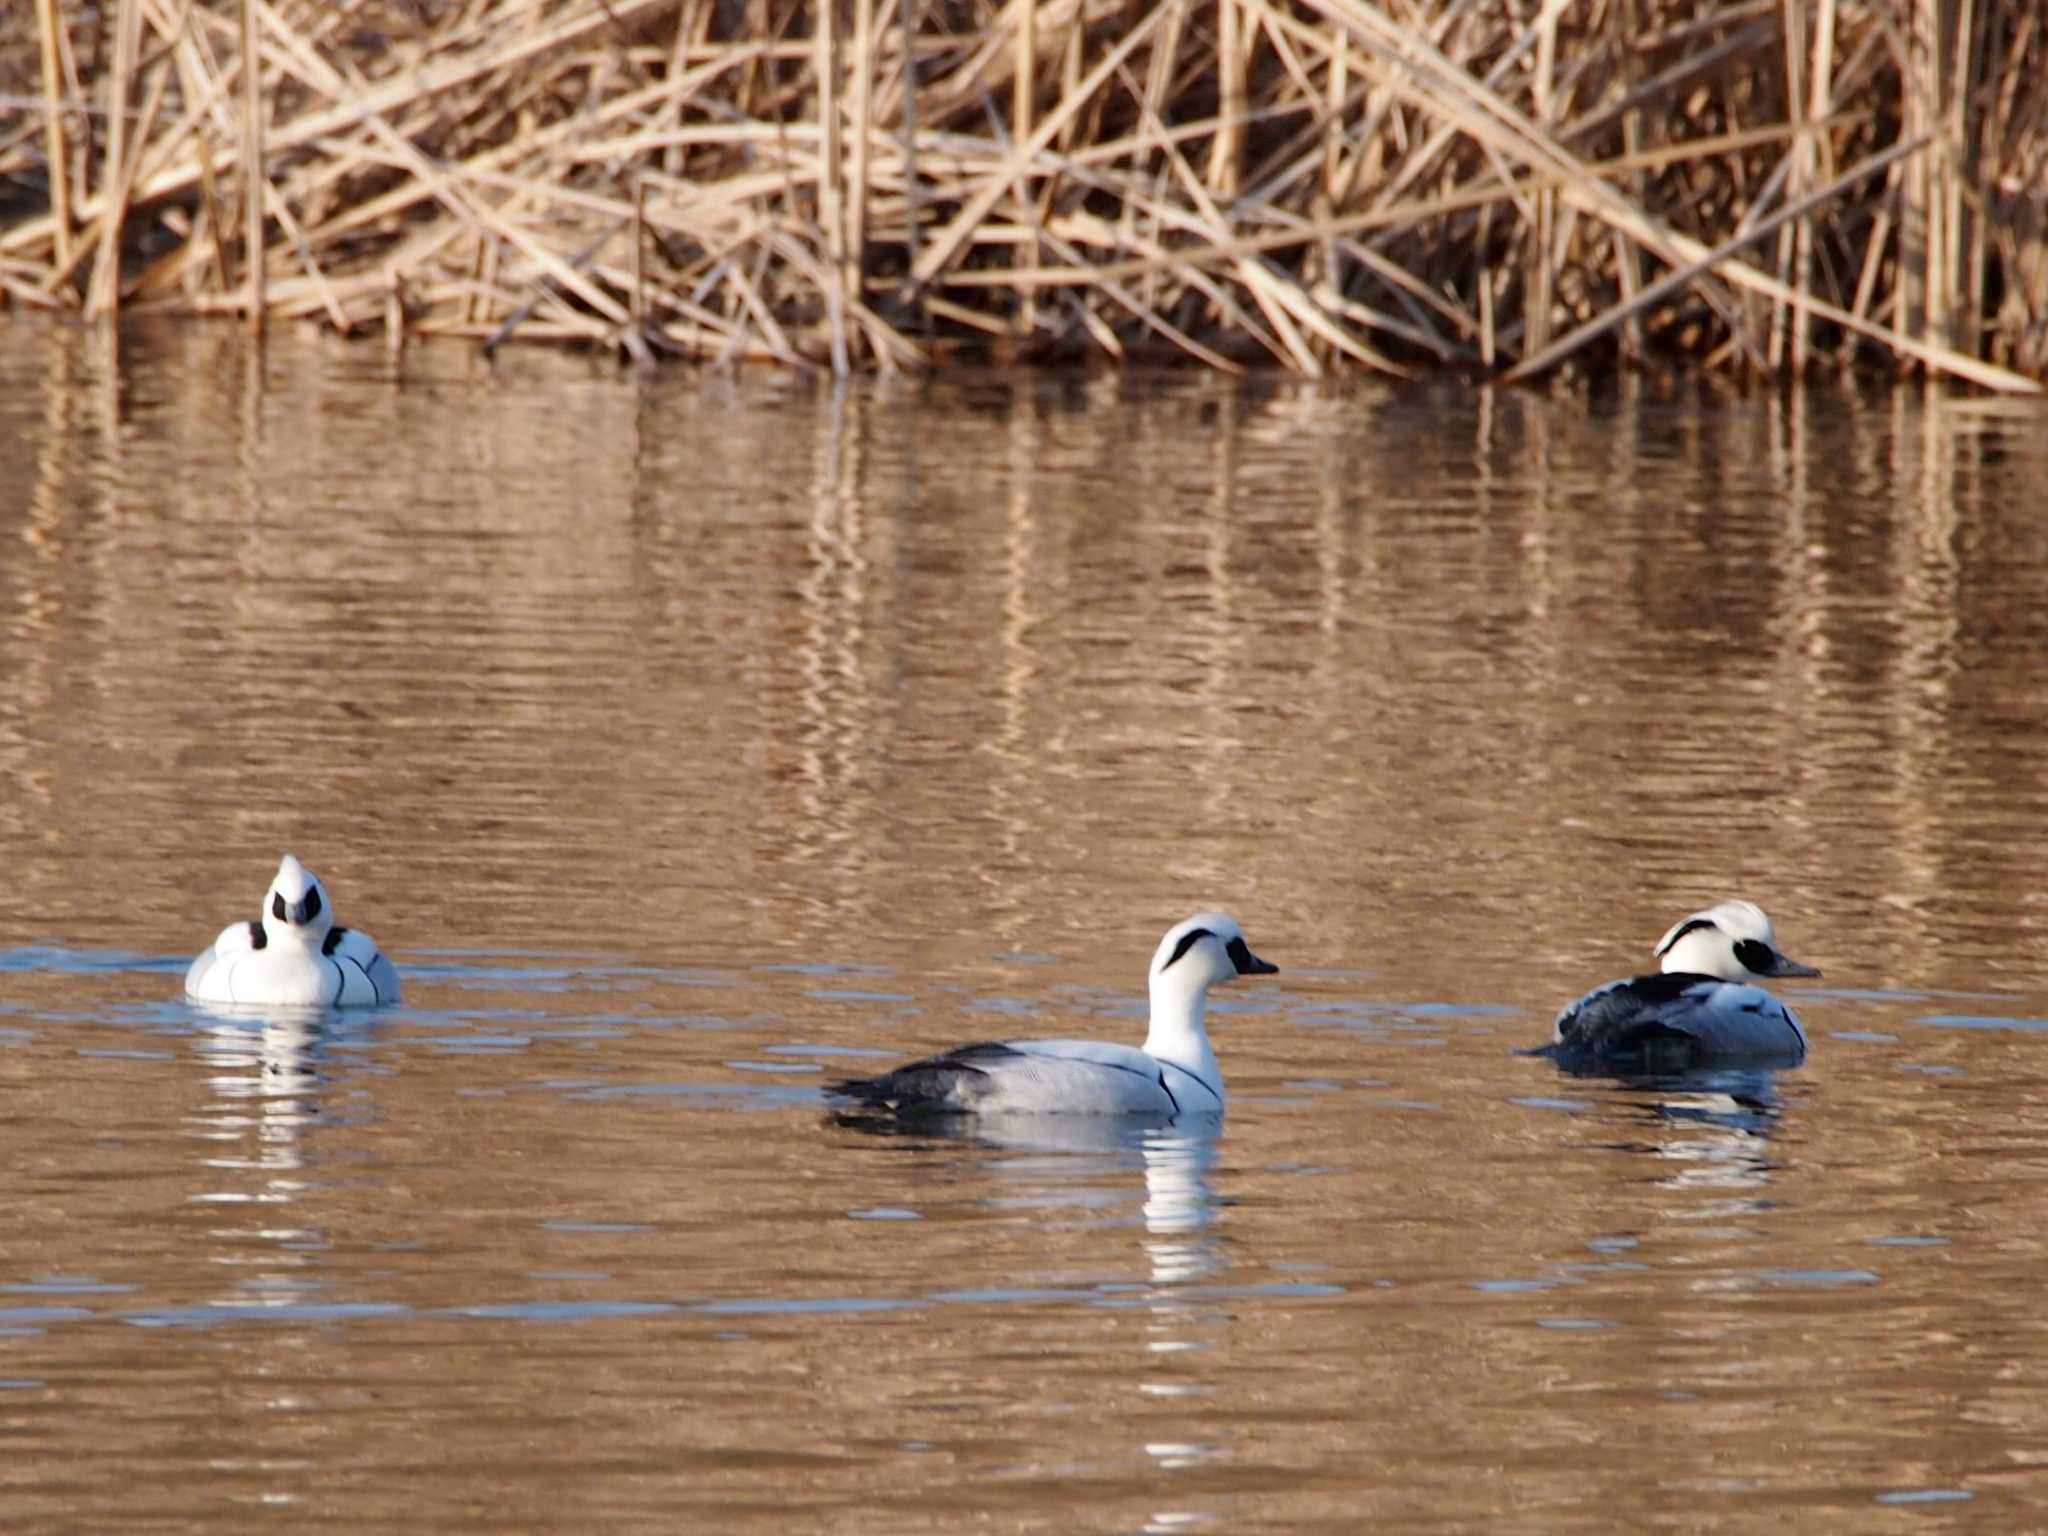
(689, 741)
(1488, 652)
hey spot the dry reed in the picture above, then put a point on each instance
(1765, 185)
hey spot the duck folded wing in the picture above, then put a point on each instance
(1732, 1019)
(367, 976)
(1034, 1076)
(1672, 1019)
(206, 976)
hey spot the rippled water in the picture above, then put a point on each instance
(689, 740)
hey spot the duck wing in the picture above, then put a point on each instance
(1019, 1076)
(1672, 1021)
(950, 1082)
(206, 976)
(367, 977)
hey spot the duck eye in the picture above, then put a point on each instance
(312, 903)
(1754, 955)
(277, 907)
(1187, 942)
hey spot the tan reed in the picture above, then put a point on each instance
(1505, 186)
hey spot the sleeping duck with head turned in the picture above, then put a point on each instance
(1173, 1074)
(294, 955)
(1702, 1008)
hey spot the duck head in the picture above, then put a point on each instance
(1733, 941)
(295, 908)
(1203, 950)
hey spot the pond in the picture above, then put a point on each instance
(690, 740)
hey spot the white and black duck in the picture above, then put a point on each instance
(1173, 1074)
(294, 955)
(1703, 1008)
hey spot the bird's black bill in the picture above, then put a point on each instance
(1785, 965)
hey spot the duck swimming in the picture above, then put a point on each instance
(294, 956)
(1703, 1007)
(1174, 1073)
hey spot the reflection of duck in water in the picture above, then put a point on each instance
(267, 1072)
(294, 956)
(1702, 1007)
(1175, 1155)
(1715, 1124)
(274, 1060)
(1173, 1074)
(1180, 1205)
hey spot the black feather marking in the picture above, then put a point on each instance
(257, 937)
(1755, 955)
(312, 903)
(333, 940)
(341, 976)
(1625, 999)
(1169, 1092)
(981, 1050)
(277, 908)
(1624, 1024)
(1687, 927)
(931, 1085)
(1187, 942)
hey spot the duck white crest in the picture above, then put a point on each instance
(1174, 1073)
(293, 956)
(1703, 1006)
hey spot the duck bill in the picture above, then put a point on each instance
(1785, 965)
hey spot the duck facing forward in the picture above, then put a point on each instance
(294, 956)
(1703, 1007)
(1174, 1073)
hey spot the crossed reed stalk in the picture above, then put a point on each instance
(1506, 186)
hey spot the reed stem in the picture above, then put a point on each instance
(252, 168)
(51, 47)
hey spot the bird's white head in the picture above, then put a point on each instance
(1205, 949)
(295, 908)
(1732, 941)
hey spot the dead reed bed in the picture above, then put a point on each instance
(1764, 186)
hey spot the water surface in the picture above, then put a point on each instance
(690, 740)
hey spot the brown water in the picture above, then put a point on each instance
(689, 739)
